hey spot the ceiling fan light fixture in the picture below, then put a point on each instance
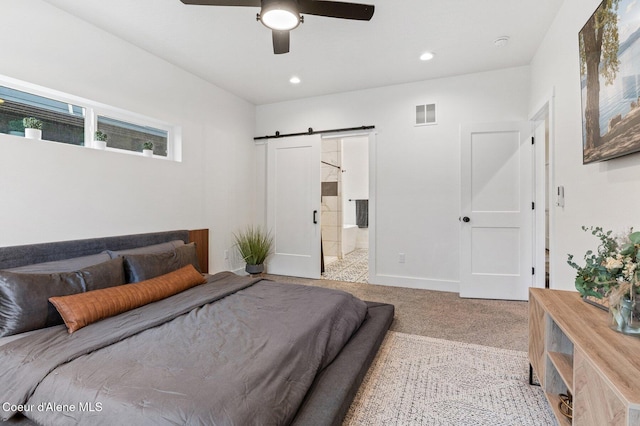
(280, 15)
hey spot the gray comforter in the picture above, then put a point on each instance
(233, 351)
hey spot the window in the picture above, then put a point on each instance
(61, 121)
(72, 120)
(131, 137)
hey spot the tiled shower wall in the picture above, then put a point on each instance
(331, 200)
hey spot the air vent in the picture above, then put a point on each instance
(425, 114)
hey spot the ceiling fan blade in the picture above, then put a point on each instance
(280, 42)
(334, 9)
(253, 3)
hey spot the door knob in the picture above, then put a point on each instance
(466, 219)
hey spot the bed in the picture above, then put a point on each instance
(224, 349)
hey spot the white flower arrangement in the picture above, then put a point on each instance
(613, 272)
(615, 263)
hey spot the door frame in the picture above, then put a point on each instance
(371, 135)
(545, 111)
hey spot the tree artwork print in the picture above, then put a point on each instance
(610, 81)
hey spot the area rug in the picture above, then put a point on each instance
(417, 380)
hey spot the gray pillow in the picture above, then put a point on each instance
(155, 248)
(65, 265)
(24, 298)
(187, 254)
(140, 267)
(104, 275)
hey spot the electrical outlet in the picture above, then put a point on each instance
(226, 254)
(401, 257)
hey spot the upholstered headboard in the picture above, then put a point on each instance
(11, 257)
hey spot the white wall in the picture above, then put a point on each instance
(52, 191)
(602, 194)
(417, 171)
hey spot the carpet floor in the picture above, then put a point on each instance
(443, 315)
(420, 381)
(446, 361)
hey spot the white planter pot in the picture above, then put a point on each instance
(33, 133)
(147, 152)
(100, 144)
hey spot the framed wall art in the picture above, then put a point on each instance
(610, 81)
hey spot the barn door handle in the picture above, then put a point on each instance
(315, 216)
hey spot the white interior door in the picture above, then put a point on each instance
(496, 222)
(293, 205)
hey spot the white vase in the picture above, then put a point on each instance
(100, 144)
(147, 152)
(33, 133)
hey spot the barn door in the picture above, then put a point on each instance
(293, 205)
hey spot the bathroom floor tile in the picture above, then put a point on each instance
(354, 267)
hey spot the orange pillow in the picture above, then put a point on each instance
(79, 310)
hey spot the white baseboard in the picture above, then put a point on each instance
(419, 283)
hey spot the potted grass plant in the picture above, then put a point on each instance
(32, 128)
(254, 245)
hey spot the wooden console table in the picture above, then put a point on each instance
(572, 348)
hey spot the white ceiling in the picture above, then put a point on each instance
(226, 46)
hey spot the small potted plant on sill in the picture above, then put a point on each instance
(612, 275)
(100, 140)
(32, 128)
(254, 245)
(147, 149)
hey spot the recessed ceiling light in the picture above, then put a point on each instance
(426, 56)
(294, 80)
(501, 41)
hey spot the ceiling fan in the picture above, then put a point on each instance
(282, 16)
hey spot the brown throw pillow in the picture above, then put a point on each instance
(82, 309)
